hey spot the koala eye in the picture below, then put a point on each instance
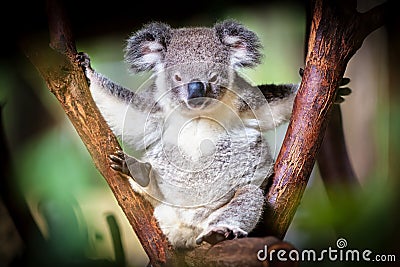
(177, 78)
(213, 78)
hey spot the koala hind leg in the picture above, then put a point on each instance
(235, 219)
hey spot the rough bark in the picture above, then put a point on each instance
(337, 32)
(242, 252)
(333, 159)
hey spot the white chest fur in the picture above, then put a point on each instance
(195, 137)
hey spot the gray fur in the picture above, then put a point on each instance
(202, 169)
(246, 40)
(137, 45)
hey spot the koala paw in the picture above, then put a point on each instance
(130, 167)
(342, 91)
(216, 234)
(118, 163)
(83, 60)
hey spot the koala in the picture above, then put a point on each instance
(194, 134)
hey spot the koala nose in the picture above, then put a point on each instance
(196, 89)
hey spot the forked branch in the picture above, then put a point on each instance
(337, 32)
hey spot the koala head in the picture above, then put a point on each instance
(196, 66)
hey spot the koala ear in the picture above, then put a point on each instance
(145, 49)
(244, 45)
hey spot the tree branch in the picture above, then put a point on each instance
(66, 80)
(241, 252)
(337, 32)
(333, 160)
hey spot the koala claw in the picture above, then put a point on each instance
(127, 166)
(217, 234)
(118, 162)
(301, 72)
(83, 60)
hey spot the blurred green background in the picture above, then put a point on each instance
(70, 201)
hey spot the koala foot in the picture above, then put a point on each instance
(118, 163)
(216, 234)
(83, 60)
